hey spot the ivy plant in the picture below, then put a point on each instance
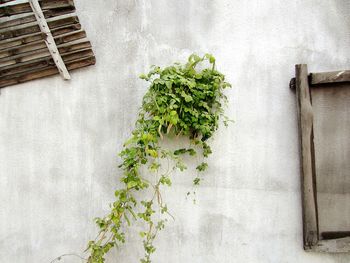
(182, 100)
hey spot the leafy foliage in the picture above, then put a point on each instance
(181, 101)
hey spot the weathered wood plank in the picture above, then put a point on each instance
(23, 57)
(305, 115)
(25, 7)
(34, 28)
(31, 18)
(325, 78)
(335, 235)
(49, 40)
(22, 40)
(74, 46)
(340, 245)
(330, 77)
(79, 63)
(292, 84)
(40, 44)
(5, 1)
(30, 66)
(66, 38)
(8, 53)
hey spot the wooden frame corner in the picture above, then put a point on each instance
(311, 236)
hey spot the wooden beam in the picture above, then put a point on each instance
(30, 55)
(61, 39)
(339, 245)
(31, 18)
(49, 40)
(79, 63)
(74, 46)
(308, 183)
(35, 28)
(330, 77)
(22, 8)
(8, 53)
(14, 71)
(292, 84)
(40, 44)
(22, 40)
(335, 234)
(5, 1)
(325, 78)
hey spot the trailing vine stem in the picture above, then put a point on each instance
(181, 101)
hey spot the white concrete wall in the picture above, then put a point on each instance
(59, 140)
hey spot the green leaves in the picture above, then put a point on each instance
(202, 167)
(206, 150)
(196, 181)
(143, 76)
(165, 180)
(181, 100)
(151, 152)
(131, 184)
(187, 98)
(146, 215)
(211, 58)
(195, 95)
(173, 118)
(154, 166)
(190, 151)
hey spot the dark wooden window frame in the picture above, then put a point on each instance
(333, 242)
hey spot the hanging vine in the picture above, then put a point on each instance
(181, 101)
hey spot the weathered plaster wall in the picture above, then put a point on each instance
(59, 140)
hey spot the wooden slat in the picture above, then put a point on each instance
(66, 38)
(14, 71)
(330, 77)
(22, 40)
(335, 234)
(64, 48)
(79, 63)
(308, 180)
(25, 7)
(34, 28)
(74, 46)
(40, 44)
(5, 1)
(37, 45)
(31, 18)
(49, 40)
(340, 245)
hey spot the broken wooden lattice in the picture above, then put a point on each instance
(39, 38)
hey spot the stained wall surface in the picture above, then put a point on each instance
(59, 140)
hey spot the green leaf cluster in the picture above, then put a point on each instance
(181, 101)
